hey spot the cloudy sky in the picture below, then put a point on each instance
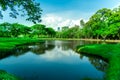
(57, 13)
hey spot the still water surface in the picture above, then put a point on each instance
(52, 60)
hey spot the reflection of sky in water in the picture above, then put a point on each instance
(55, 64)
(57, 54)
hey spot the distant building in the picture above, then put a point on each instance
(58, 29)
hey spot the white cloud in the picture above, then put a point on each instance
(54, 21)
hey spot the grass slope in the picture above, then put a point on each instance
(10, 43)
(110, 52)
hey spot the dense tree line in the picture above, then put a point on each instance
(19, 30)
(104, 24)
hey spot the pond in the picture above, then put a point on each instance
(52, 60)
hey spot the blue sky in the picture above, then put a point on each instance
(78, 8)
(67, 12)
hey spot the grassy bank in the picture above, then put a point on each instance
(110, 52)
(10, 43)
(6, 76)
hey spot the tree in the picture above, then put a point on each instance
(105, 23)
(87, 30)
(19, 29)
(13, 30)
(38, 29)
(29, 8)
(16, 29)
(26, 30)
(98, 24)
(5, 29)
(114, 22)
(72, 32)
(50, 31)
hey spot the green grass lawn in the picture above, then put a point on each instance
(110, 52)
(10, 43)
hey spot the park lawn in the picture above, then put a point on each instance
(109, 52)
(10, 43)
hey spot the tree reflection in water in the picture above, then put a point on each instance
(41, 48)
(98, 63)
(38, 48)
(14, 52)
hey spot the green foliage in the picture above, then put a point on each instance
(38, 29)
(19, 30)
(73, 32)
(50, 31)
(41, 30)
(5, 29)
(28, 8)
(104, 24)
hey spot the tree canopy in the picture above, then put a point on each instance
(28, 8)
(20, 30)
(104, 24)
